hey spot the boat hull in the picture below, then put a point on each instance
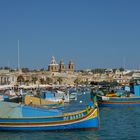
(111, 104)
(65, 122)
(104, 101)
(76, 126)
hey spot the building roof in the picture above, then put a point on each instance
(53, 61)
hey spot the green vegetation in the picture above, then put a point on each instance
(42, 81)
(98, 70)
(20, 79)
(60, 80)
(34, 79)
(49, 80)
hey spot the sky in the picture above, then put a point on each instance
(92, 33)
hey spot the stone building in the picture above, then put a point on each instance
(61, 67)
(53, 66)
(70, 67)
(7, 77)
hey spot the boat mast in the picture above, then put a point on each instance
(18, 57)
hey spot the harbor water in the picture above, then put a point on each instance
(116, 123)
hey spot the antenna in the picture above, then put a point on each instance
(18, 57)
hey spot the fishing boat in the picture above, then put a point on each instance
(72, 93)
(51, 96)
(57, 96)
(9, 95)
(15, 117)
(31, 100)
(118, 98)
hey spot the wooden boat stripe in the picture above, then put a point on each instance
(87, 117)
(64, 115)
(105, 102)
(132, 97)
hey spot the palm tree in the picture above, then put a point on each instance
(49, 80)
(20, 79)
(77, 81)
(60, 80)
(34, 79)
(42, 81)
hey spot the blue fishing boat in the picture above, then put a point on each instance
(15, 117)
(4, 97)
(119, 98)
(105, 101)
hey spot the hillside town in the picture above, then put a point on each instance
(62, 74)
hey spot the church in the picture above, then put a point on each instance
(61, 67)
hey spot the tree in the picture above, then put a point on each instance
(34, 79)
(42, 69)
(49, 80)
(60, 80)
(98, 70)
(25, 70)
(42, 81)
(86, 82)
(77, 81)
(6, 68)
(121, 69)
(20, 79)
(114, 70)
